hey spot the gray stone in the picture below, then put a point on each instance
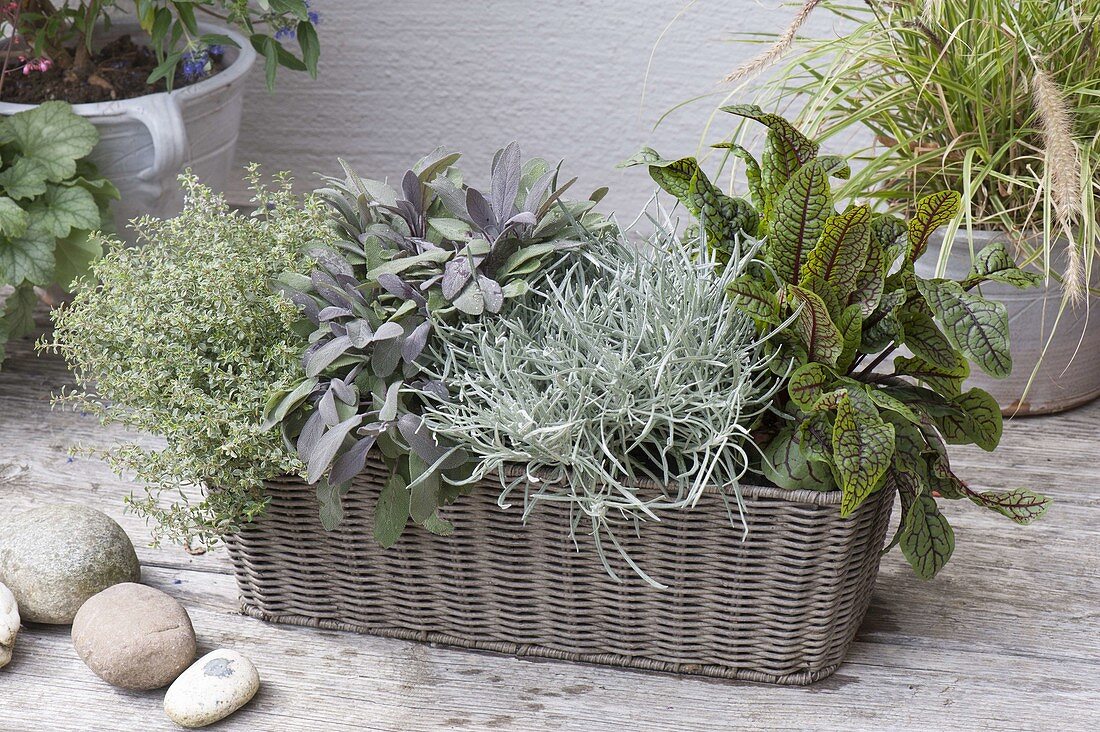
(218, 684)
(55, 557)
(9, 624)
(134, 636)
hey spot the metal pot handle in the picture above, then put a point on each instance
(161, 115)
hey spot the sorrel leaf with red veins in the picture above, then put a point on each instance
(801, 209)
(932, 212)
(841, 252)
(995, 263)
(975, 326)
(863, 448)
(788, 465)
(807, 384)
(723, 217)
(870, 283)
(928, 540)
(892, 234)
(975, 417)
(850, 325)
(1020, 505)
(813, 326)
(755, 298)
(753, 175)
(786, 149)
(925, 339)
(947, 381)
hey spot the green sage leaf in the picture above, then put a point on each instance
(391, 513)
(330, 505)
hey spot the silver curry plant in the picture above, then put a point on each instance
(626, 388)
(435, 250)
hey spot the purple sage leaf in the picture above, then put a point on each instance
(351, 463)
(415, 342)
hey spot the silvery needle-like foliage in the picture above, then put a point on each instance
(630, 370)
(433, 251)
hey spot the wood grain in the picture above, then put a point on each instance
(1006, 638)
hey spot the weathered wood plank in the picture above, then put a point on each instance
(1007, 638)
(322, 679)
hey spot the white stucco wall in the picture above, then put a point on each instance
(565, 78)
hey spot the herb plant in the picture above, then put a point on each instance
(183, 338)
(62, 35)
(435, 251)
(626, 388)
(847, 281)
(51, 200)
(995, 99)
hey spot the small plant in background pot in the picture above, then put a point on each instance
(994, 99)
(847, 281)
(51, 200)
(56, 54)
(182, 338)
(162, 81)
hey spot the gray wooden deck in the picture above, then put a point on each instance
(1007, 638)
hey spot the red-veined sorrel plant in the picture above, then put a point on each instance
(845, 281)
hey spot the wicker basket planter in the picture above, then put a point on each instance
(782, 606)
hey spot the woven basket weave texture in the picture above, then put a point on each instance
(781, 606)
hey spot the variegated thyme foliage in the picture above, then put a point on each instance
(182, 337)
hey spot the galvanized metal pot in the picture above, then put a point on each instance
(1068, 373)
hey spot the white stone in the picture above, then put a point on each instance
(9, 624)
(215, 686)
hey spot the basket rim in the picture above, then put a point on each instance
(806, 496)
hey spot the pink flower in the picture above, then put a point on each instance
(35, 64)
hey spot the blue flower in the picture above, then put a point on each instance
(285, 32)
(313, 15)
(196, 65)
(215, 50)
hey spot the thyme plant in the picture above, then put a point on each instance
(182, 337)
(629, 365)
